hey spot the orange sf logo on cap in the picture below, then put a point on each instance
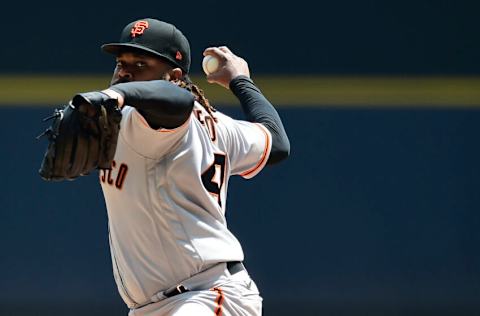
(178, 56)
(139, 28)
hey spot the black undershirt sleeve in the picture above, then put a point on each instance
(164, 104)
(259, 110)
(161, 103)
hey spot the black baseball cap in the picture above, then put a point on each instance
(156, 37)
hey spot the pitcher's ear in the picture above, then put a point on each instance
(175, 74)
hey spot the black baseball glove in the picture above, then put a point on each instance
(82, 137)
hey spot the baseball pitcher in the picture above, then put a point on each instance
(169, 157)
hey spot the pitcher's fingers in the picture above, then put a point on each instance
(225, 49)
(215, 51)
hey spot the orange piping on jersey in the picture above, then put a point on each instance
(176, 128)
(218, 301)
(264, 154)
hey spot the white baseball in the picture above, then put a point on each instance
(210, 64)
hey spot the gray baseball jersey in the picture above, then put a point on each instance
(166, 197)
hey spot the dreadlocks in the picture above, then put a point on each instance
(187, 83)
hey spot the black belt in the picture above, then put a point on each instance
(235, 267)
(232, 267)
(176, 290)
